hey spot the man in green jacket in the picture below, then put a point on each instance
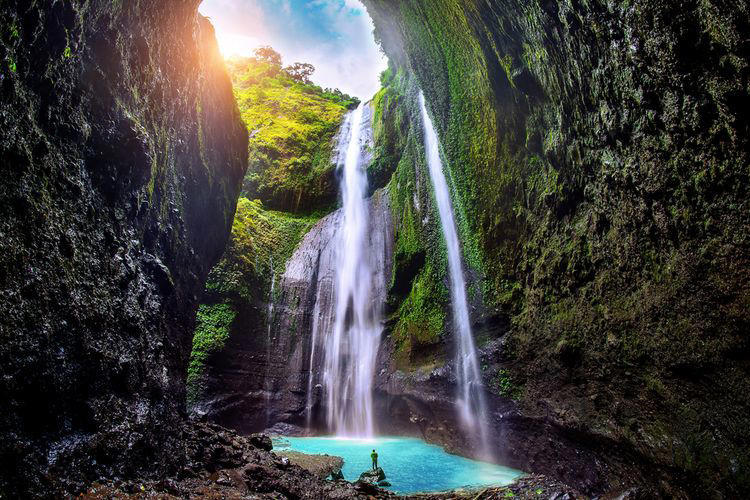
(374, 457)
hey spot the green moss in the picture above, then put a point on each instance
(391, 123)
(421, 321)
(261, 243)
(211, 332)
(610, 243)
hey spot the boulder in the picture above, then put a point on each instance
(261, 441)
(320, 465)
(366, 488)
(372, 476)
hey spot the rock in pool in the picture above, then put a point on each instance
(372, 476)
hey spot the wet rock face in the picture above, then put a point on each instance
(601, 156)
(261, 376)
(122, 154)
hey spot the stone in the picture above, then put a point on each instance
(373, 476)
(366, 487)
(261, 441)
(320, 465)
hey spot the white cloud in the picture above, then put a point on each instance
(346, 58)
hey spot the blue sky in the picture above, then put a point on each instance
(335, 36)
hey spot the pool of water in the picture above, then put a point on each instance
(411, 465)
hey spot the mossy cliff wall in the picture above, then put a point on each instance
(122, 158)
(599, 157)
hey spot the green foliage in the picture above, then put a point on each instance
(67, 52)
(12, 65)
(300, 72)
(591, 232)
(421, 320)
(211, 332)
(391, 124)
(292, 124)
(417, 293)
(14, 32)
(505, 386)
(259, 237)
(268, 55)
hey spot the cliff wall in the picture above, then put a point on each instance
(598, 153)
(122, 157)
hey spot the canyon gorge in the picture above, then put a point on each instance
(530, 246)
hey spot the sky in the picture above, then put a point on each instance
(335, 36)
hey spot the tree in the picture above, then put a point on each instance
(300, 72)
(268, 55)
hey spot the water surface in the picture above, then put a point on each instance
(411, 465)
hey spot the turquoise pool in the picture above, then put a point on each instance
(411, 465)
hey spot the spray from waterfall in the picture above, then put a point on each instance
(471, 403)
(351, 347)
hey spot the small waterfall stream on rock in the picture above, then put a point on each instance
(269, 315)
(471, 402)
(350, 348)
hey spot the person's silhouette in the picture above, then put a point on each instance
(374, 457)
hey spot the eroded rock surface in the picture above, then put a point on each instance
(122, 155)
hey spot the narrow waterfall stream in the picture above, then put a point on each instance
(350, 348)
(470, 399)
(269, 315)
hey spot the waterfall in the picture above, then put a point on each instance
(350, 348)
(471, 402)
(269, 315)
(321, 316)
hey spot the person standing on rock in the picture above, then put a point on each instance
(374, 457)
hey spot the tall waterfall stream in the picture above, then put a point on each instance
(470, 399)
(350, 348)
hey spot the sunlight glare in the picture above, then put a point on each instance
(232, 45)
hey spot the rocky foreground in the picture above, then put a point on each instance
(222, 464)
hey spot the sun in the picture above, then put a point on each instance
(232, 45)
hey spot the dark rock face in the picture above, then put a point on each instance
(122, 156)
(600, 152)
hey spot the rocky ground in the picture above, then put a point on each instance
(321, 466)
(533, 486)
(222, 464)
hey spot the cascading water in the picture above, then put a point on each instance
(269, 315)
(350, 348)
(321, 316)
(471, 402)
